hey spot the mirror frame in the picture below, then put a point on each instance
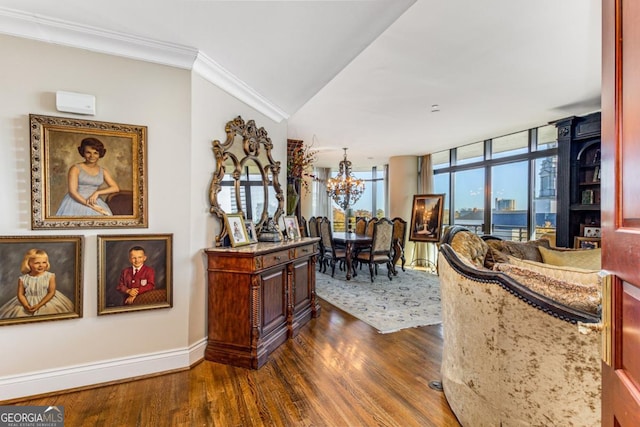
(254, 141)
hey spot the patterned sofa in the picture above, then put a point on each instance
(522, 338)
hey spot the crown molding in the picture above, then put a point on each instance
(213, 72)
(49, 30)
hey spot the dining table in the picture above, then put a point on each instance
(351, 241)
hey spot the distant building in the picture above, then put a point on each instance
(505, 204)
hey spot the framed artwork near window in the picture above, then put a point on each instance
(134, 272)
(87, 174)
(40, 278)
(426, 217)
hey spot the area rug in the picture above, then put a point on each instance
(411, 299)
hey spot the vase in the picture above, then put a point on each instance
(293, 197)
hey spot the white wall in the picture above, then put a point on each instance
(182, 121)
(212, 109)
(403, 185)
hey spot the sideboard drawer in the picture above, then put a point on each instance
(275, 258)
(303, 251)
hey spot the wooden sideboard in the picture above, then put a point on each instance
(259, 296)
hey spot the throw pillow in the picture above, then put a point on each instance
(470, 246)
(499, 250)
(589, 259)
(581, 297)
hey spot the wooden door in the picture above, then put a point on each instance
(621, 212)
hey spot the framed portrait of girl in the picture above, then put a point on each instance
(41, 278)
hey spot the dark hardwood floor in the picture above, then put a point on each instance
(337, 372)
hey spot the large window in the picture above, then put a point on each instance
(509, 192)
(441, 186)
(371, 203)
(510, 200)
(468, 198)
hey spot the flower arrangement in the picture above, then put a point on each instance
(300, 163)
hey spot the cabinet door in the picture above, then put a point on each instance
(273, 300)
(301, 286)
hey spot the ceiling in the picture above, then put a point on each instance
(361, 74)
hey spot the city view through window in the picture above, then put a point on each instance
(502, 183)
(515, 183)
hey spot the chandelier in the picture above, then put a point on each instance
(345, 189)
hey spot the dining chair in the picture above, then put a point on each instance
(314, 232)
(370, 224)
(331, 255)
(304, 230)
(380, 252)
(399, 237)
(361, 225)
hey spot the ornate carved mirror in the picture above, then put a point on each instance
(246, 177)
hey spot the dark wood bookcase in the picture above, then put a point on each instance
(578, 177)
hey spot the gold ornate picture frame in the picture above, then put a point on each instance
(65, 190)
(237, 230)
(63, 254)
(117, 277)
(426, 217)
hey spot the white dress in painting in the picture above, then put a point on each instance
(35, 288)
(87, 185)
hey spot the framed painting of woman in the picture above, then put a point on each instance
(87, 174)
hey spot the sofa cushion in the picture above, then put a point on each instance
(583, 297)
(470, 246)
(589, 259)
(568, 274)
(499, 250)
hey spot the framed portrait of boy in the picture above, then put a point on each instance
(40, 278)
(426, 217)
(87, 174)
(236, 229)
(135, 272)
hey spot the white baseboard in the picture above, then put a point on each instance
(36, 383)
